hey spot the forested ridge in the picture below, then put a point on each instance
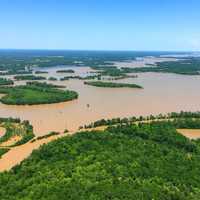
(145, 161)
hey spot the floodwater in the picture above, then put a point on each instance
(162, 93)
(147, 61)
(190, 133)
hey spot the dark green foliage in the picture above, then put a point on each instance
(27, 133)
(81, 78)
(23, 61)
(52, 79)
(65, 71)
(70, 77)
(28, 77)
(188, 123)
(15, 71)
(126, 163)
(179, 120)
(3, 151)
(32, 94)
(110, 71)
(9, 133)
(46, 136)
(66, 131)
(66, 78)
(4, 81)
(190, 66)
(10, 120)
(91, 77)
(23, 129)
(41, 72)
(44, 85)
(111, 84)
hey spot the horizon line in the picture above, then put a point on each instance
(52, 49)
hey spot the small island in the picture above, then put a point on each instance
(52, 78)
(65, 71)
(41, 72)
(34, 94)
(112, 84)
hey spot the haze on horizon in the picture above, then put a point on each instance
(171, 25)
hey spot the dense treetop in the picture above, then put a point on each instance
(146, 161)
(36, 93)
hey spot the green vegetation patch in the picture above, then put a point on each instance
(65, 71)
(3, 151)
(89, 77)
(28, 77)
(111, 84)
(53, 133)
(52, 78)
(4, 81)
(41, 72)
(189, 66)
(44, 84)
(33, 94)
(188, 120)
(150, 161)
(23, 129)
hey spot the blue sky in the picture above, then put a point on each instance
(100, 24)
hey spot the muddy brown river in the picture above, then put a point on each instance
(162, 93)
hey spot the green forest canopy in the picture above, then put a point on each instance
(32, 94)
(149, 161)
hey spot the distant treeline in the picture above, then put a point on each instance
(190, 66)
(28, 77)
(182, 120)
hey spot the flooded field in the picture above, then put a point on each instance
(162, 93)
